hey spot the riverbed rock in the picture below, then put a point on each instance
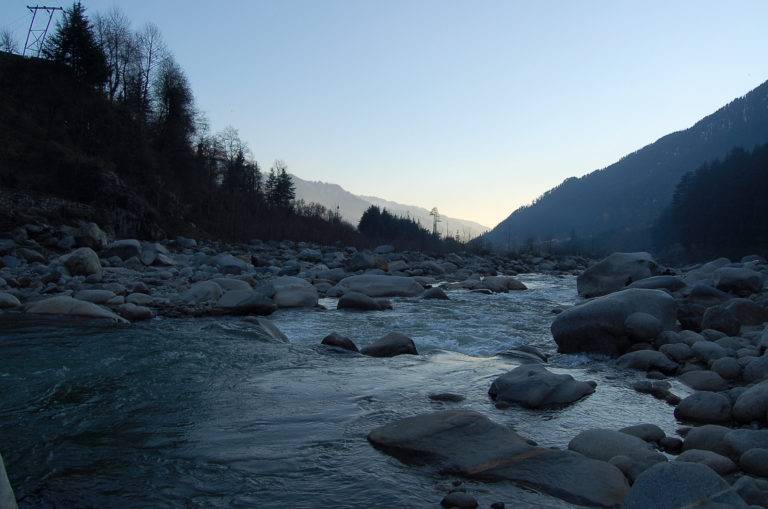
(135, 313)
(668, 283)
(615, 272)
(756, 369)
(721, 318)
(647, 432)
(123, 249)
(390, 345)
(7, 498)
(293, 292)
(604, 444)
(647, 360)
(67, 306)
(533, 386)
(752, 404)
(740, 281)
(704, 407)
(90, 235)
(739, 441)
(375, 285)
(708, 437)
(265, 330)
(642, 326)
(8, 301)
(82, 262)
(230, 283)
(361, 302)
(678, 484)
(202, 291)
(755, 462)
(716, 462)
(502, 284)
(245, 302)
(339, 341)
(435, 293)
(469, 444)
(229, 264)
(703, 380)
(727, 367)
(599, 324)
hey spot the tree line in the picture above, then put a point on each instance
(381, 226)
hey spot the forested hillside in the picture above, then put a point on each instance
(614, 208)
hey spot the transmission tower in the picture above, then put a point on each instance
(435, 219)
(36, 34)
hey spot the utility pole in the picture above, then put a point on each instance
(36, 36)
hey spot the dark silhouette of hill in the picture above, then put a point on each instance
(614, 208)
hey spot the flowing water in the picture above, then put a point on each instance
(200, 413)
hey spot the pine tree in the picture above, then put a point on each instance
(270, 188)
(74, 44)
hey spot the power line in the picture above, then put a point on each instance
(37, 35)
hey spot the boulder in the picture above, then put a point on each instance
(716, 462)
(95, 296)
(615, 272)
(360, 261)
(533, 386)
(82, 262)
(390, 345)
(727, 367)
(703, 380)
(8, 301)
(647, 360)
(678, 352)
(123, 249)
(245, 302)
(228, 264)
(229, 283)
(458, 500)
(678, 484)
(599, 324)
(469, 444)
(435, 293)
(310, 255)
(375, 285)
(756, 369)
(502, 284)
(647, 432)
(721, 318)
(740, 281)
(339, 341)
(642, 326)
(747, 312)
(739, 441)
(709, 438)
(755, 462)
(668, 283)
(361, 302)
(708, 351)
(7, 498)
(134, 313)
(140, 299)
(293, 292)
(604, 444)
(704, 407)
(202, 291)
(752, 404)
(67, 306)
(90, 235)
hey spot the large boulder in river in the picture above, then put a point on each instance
(615, 272)
(67, 306)
(376, 285)
(599, 325)
(293, 292)
(82, 262)
(7, 498)
(533, 386)
(361, 302)
(752, 404)
(123, 249)
(469, 444)
(740, 281)
(675, 485)
(390, 345)
(502, 284)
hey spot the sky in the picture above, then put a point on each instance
(473, 107)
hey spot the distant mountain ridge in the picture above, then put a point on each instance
(615, 207)
(352, 206)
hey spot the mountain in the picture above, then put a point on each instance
(615, 207)
(352, 206)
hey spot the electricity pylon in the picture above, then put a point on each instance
(37, 35)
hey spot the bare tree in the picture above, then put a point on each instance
(8, 42)
(152, 53)
(113, 33)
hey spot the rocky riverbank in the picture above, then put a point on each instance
(700, 326)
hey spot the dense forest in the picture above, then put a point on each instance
(615, 208)
(718, 210)
(380, 226)
(107, 119)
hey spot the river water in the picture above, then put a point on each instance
(199, 413)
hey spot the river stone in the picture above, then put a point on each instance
(604, 444)
(230, 283)
(361, 302)
(339, 341)
(7, 498)
(727, 367)
(722, 319)
(133, 312)
(375, 285)
(739, 441)
(704, 407)
(708, 350)
(642, 326)
(703, 380)
(647, 432)
(747, 312)
(202, 291)
(669, 283)
(390, 345)
(459, 500)
(293, 292)
(95, 296)
(716, 462)
(756, 370)
(502, 284)
(755, 462)
(647, 360)
(140, 299)
(708, 437)
(8, 301)
(245, 302)
(82, 262)
(266, 329)
(123, 249)
(67, 306)
(228, 264)
(752, 404)
(533, 386)
(615, 272)
(469, 444)
(435, 293)
(678, 352)
(740, 281)
(598, 325)
(90, 235)
(678, 484)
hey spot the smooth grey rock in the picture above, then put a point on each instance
(502, 284)
(202, 291)
(8, 301)
(292, 292)
(604, 444)
(716, 462)
(722, 319)
(615, 272)
(533, 386)
(95, 296)
(678, 352)
(747, 312)
(738, 280)
(703, 380)
(374, 285)
(755, 462)
(642, 326)
(90, 235)
(756, 369)
(704, 407)
(709, 437)
(67, 306)
(390, 345)
(230, 283)
(133, 312)
(678, 484)
(647, 360)
(123, 249)
(469, 444)
(647, 432)
(245, 302)
(339, 341)
(435, 293)
(459, 500)
(752, 404)
(708, 350)
(669, 283)
(727, 367)
(82, 262)
(140, 299)
(598, 325)
(361, 302)
(228, 264)
(739, 441)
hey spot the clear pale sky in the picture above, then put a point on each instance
(473, 107)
